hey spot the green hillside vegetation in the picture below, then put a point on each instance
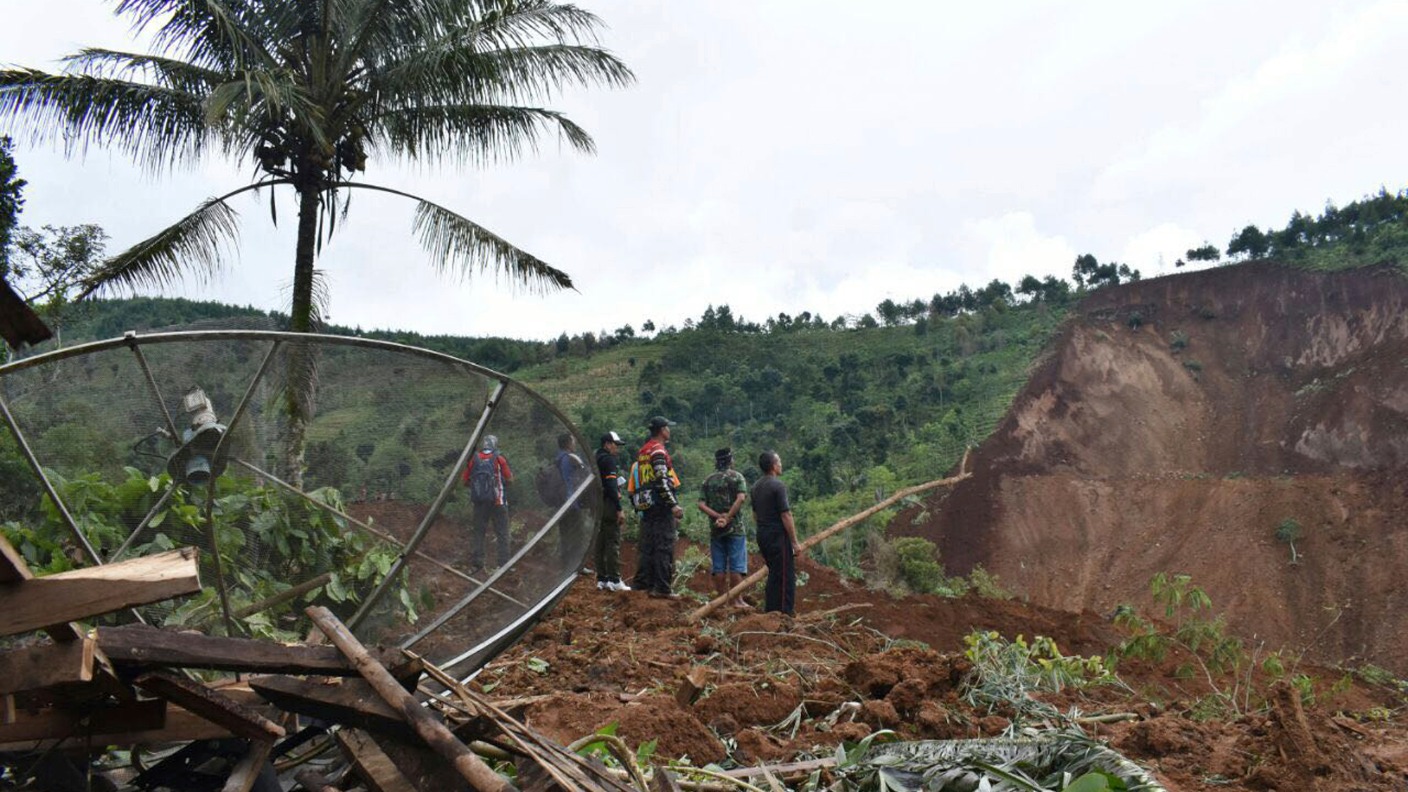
(857, 406)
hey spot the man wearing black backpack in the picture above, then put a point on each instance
(660, 513)
(487, 477)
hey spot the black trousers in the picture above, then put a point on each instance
(655, 565)
(484, 514)
(781, 589)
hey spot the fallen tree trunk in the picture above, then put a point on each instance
(849, 522)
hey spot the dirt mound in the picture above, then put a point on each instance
(769, 688)
(1178, 425)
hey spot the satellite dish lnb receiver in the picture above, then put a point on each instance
(200, 457)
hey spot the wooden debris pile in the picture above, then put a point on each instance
(68, 695)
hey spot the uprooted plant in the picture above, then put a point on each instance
(1006, 673)
(1186, 628)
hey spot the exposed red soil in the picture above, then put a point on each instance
(1126, 455)
(604, 658)
(1175, 424)
(856, 660)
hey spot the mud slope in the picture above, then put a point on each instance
(1175, 423)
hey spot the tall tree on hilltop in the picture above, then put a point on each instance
(304, 91)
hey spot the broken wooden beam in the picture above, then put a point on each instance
(13, 569)
(56, 723)
(45, 665)
(134, 725)
(349, 702)
(210, 704)
(371, 763)
(436, 735)
(248, 769)
(36, 603)
(143, 646)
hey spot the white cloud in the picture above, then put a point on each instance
(790, 156)
(1155, 251)
(1011, 247)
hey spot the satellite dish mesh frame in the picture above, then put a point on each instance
(135, 342)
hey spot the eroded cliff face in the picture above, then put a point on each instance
(1176, 422)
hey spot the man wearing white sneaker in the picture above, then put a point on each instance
(613, 517)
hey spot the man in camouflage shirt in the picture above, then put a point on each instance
(721, 498)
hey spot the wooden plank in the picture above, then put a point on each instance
(140, 645)
(45, 665)
(82, 593)
(432, 731)
(372, 763)
(14, 569)
(210, 704)
(62, 724)
(181, 726)
(247, 771)
(350, 702)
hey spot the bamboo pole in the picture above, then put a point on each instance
(849, 522)
(473, 769)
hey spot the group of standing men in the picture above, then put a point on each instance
(654, 491)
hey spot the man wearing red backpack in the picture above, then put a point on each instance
(487, 477)
(659, 520)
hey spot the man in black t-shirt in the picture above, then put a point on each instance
(777, 535)
(608, 533)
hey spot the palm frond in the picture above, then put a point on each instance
(224, 34)
(474, 133)
(322, 299)
(173, 73)
(456, 243)
(155, 125)
(522, 23)
(200, 239)
(461, 71)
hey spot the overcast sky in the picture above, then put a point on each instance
(795, 155)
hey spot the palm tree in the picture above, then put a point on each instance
(305, 90)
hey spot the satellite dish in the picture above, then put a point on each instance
(186, 438)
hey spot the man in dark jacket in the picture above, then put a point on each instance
(659, 520)
(777, 535)
(613, 517)
(570, 527)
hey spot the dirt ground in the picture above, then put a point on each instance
(853, 661)
(1176, 425)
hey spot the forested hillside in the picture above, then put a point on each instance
(857, 405)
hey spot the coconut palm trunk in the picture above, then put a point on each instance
(304, 90)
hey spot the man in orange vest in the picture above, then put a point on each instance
(659, 522)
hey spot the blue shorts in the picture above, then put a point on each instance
(729, 554)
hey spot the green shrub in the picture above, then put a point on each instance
(919, 566)
(1178, 341)
(984, 584)
(1288, 532)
